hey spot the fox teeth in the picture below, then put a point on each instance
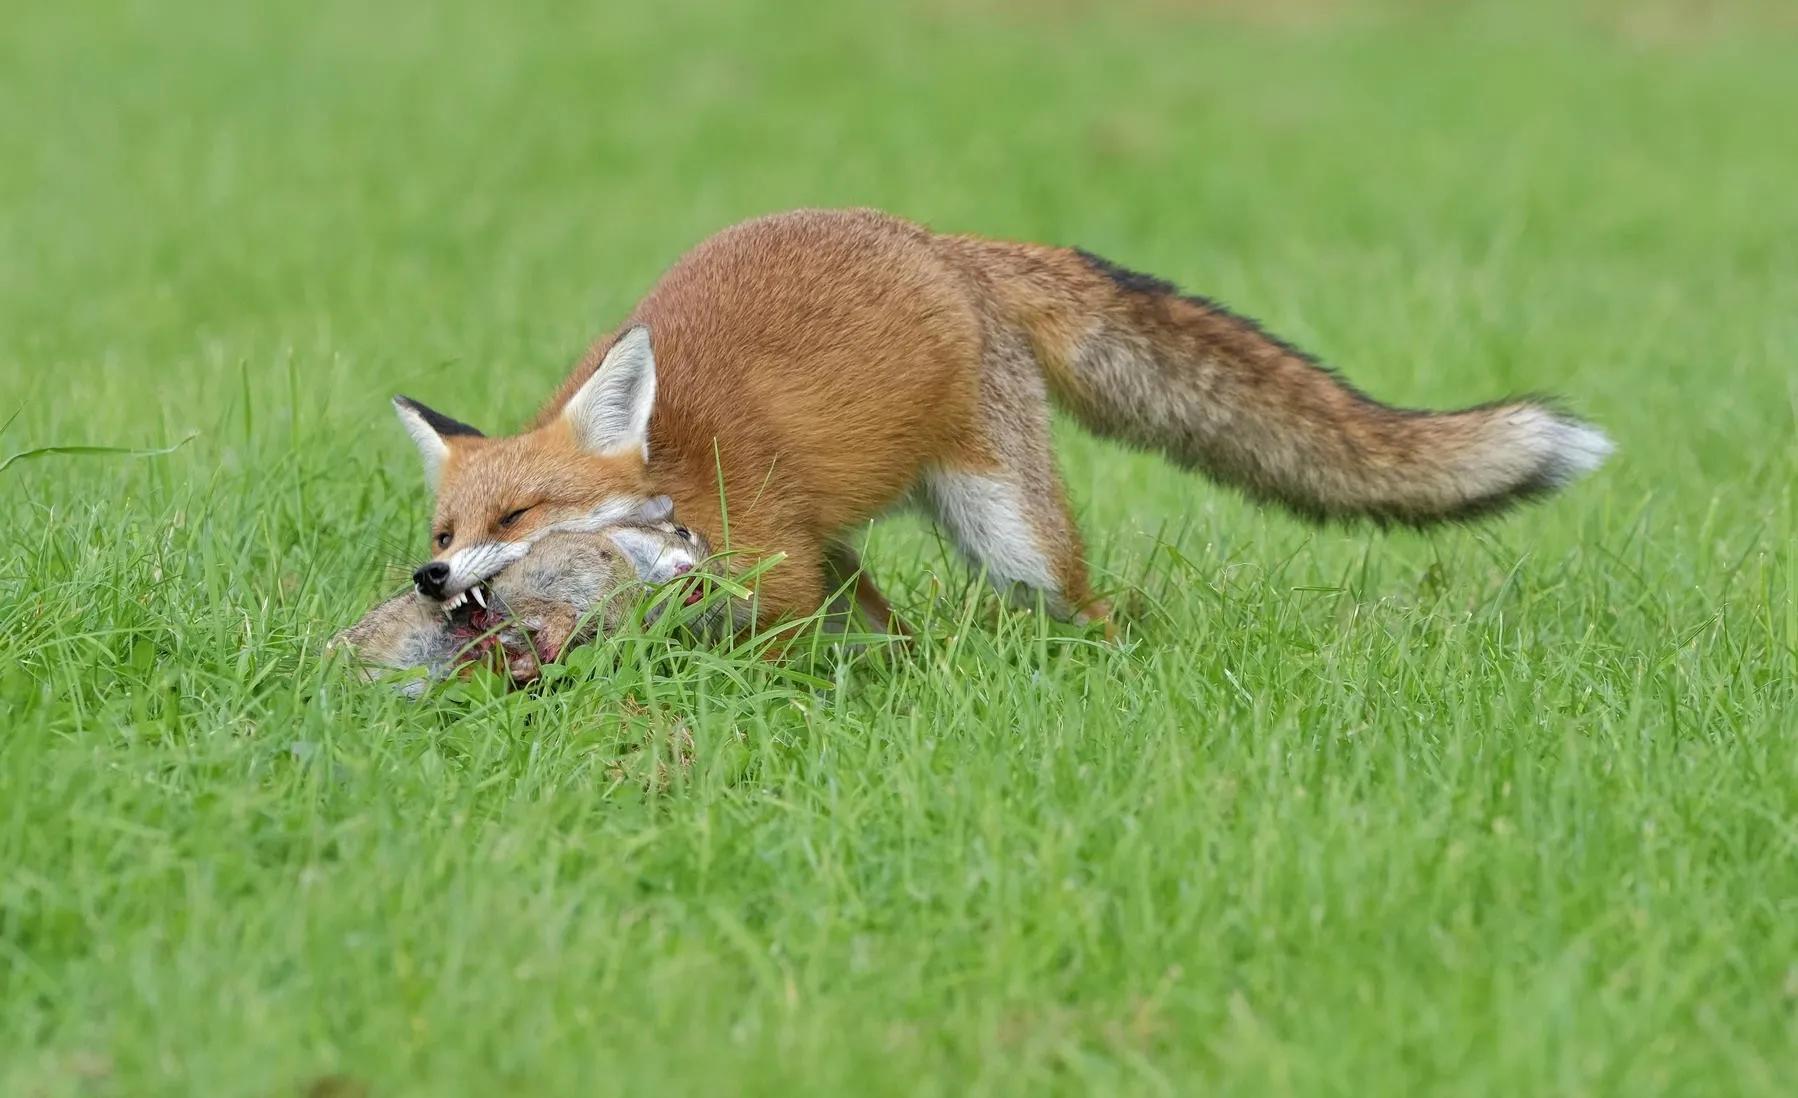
(455, 601)
(478, 596)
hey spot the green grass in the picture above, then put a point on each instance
(1503, 810)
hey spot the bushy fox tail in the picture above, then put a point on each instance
(1135, 359)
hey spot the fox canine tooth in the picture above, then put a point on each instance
(478, 597)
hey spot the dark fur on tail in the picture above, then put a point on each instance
(1136, 359)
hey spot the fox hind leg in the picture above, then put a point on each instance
(1002, 501)
(1019, 530)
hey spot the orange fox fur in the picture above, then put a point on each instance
(823, 367)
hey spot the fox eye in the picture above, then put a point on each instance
(513, 516)
(443, 540)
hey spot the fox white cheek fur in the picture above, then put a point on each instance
(475, 563)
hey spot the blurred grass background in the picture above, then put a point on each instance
(1494, 811)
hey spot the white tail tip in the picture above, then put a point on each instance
(1576, 449)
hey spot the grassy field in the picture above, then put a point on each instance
(1505, 810)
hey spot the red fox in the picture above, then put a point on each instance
(796, 376)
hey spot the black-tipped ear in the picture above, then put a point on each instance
(435, 420)
(428, 431)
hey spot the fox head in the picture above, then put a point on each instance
(584, 470)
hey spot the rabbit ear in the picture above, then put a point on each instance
(655, 556)
(609, 413)
(659, 509)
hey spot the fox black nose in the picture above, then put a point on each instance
(431, 578)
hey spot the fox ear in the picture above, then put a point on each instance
(609, 413)
(430, 431)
